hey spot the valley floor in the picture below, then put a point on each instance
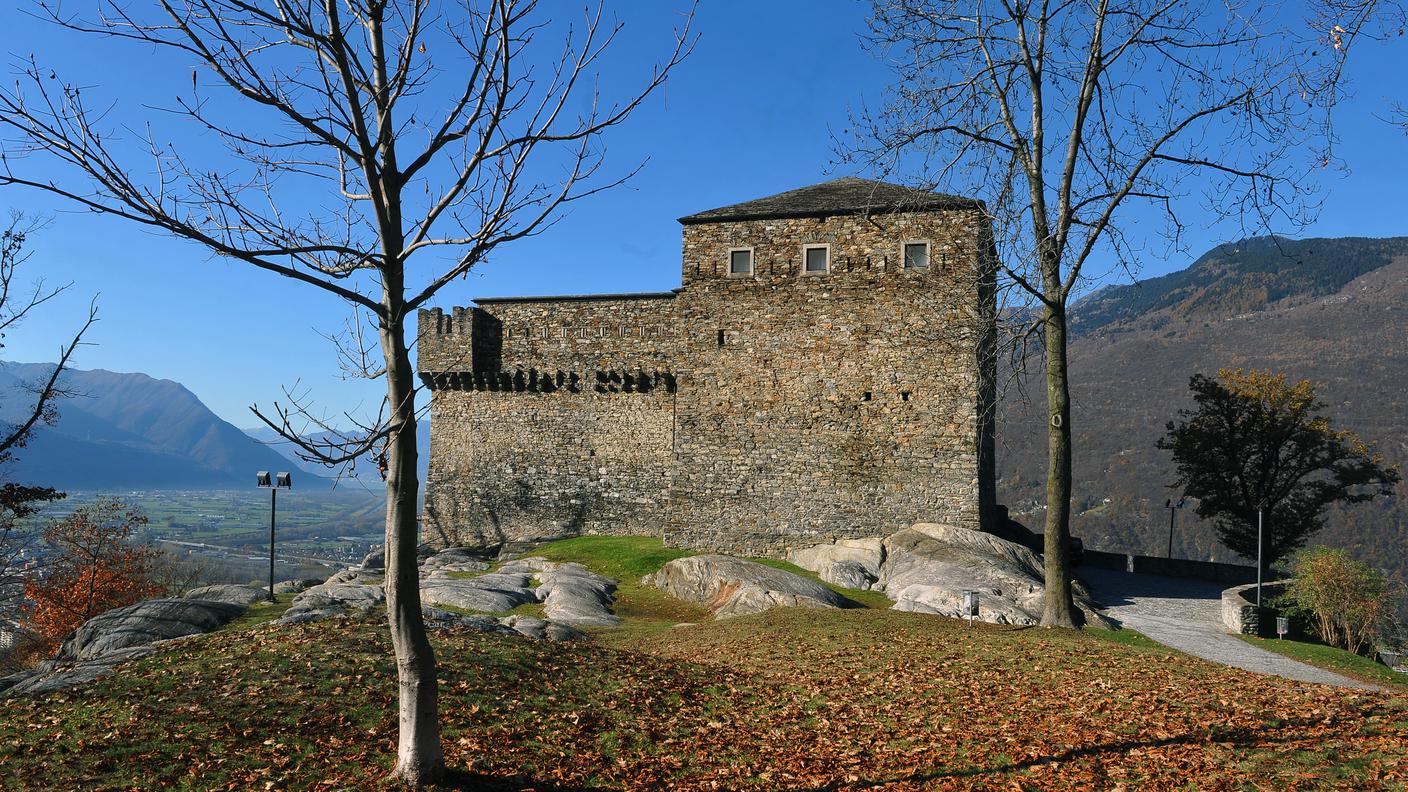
(789, 699)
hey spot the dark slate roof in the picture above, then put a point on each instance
(844, 196)
(582, 297)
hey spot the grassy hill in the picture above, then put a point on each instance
(788, 699)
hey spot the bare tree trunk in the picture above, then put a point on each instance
(1058, 610)
(418, 756)
(419, 759)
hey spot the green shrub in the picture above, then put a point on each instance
(1349, 603)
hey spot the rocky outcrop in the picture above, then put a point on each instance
(455, 559)
(334, 599)
(574, 595)
(236, 594)
(117, 636)
(144, 623)
(848, 563)
(489, 593)
(730, 586)
(928, 567)
(295, 586)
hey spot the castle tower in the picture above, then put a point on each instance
(825, 371)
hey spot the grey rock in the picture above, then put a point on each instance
(847, 574)
(360, 577)
(928, 567)
(438, 619)
(143, 623)
(456, 559)
(331, 600)
(237, 594)
(490, 593)
(295, 586)
(735, 587)
(517, 547)
(541, 629)
(574, 595)
(54, 675)
(869, 554)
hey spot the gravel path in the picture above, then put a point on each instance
(1187, 615)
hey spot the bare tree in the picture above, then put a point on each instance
(376, 150)
(1337, 24)
(1082, 123)
(17, 501)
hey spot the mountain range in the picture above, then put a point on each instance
(130, 431)
(1334, 311)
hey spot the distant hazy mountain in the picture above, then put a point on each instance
(1331, 310)
(363, 469)
(130, 431)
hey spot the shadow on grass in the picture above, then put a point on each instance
(1241, 737)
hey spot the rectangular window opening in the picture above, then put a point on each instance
(904, 395)
(816, 259)
(916, 255)
(740, 262)
(866, 396)
(721, 338)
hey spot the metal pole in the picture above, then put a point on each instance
(273, 510)
(1258, 561)
(1171, 512)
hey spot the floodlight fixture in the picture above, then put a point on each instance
(273, 484)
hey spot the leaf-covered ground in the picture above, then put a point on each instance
(853, 699)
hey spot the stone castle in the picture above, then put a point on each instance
(824, 371)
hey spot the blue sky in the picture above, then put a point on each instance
(752, 113)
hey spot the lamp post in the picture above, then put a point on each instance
(1172, 509)
(279, 481)
(1258, 562)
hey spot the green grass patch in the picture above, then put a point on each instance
(625, 558)
(1330, 658)
(262, 612)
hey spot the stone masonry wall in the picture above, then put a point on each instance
(817, 407)
(742, 414)
(507, 465)
(524, 458)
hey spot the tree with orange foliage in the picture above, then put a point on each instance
(94, 569)
(1257, 443)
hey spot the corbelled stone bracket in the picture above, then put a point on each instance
(534, 381)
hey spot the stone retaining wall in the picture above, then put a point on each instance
(1239, 611)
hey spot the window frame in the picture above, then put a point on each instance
(928, 255)
(752, 263)
(826, 246)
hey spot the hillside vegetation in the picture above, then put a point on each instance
(1331, 310)
(844, 699)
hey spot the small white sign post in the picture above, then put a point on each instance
(1283, 626)
(970, 606)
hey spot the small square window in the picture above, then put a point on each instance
(740, 262)
(816, 259)
(916, 255)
